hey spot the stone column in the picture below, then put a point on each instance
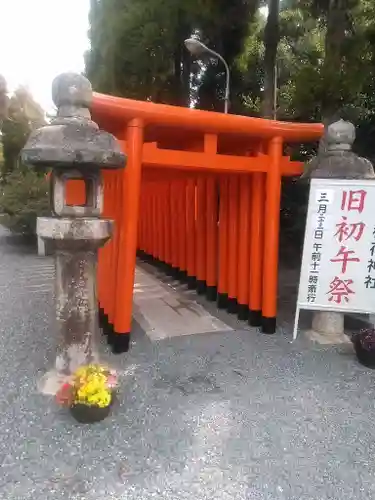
(75, 149)
(336, 160)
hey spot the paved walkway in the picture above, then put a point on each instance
(229, 415)
(164, 310)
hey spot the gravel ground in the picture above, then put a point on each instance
(221, 416)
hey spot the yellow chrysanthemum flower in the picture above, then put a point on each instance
(91, 386)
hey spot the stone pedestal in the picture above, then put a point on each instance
(328, 328)
(330, 323)
(76, 243)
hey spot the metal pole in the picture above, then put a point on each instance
(227, 79)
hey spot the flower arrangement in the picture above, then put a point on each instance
(364, 345)
(366, 338)
(91, 387)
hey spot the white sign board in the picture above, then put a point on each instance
(338, 263)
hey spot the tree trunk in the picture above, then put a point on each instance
(337, 25)
(181, 63)
(181, 75)
(330, 325)
(177, 77)
(271, 40)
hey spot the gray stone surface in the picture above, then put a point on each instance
(328, 322)
(75, 243)
(72, 140)
(74, 147)
(335, 158)
(223, 416)
(84, 233)
(164, 310)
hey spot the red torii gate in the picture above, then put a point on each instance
(164, 203)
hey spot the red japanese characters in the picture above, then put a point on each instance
(353, 200)
(344, 256)
(347, 231)
(342, 286)
(340, 290)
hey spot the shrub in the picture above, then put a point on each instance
(23, 198)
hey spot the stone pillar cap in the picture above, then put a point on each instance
(71, 89)
(340, 135)
(335, 158)
(72, 140)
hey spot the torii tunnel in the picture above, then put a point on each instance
(200, 198)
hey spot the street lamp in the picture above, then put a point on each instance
(197, 48)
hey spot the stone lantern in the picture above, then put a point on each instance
(74, 148)
(336, 160)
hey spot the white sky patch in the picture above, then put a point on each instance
(40, 39)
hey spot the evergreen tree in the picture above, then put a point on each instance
(137, 47)
(24, 193)
(23, 115)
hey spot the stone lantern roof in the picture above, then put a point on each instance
(72, 140)
(335, 158)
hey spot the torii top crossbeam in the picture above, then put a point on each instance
(115, 111)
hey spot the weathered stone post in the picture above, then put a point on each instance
(336, 160)
(74, 148)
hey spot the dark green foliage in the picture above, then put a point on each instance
(3, 99)
(308, 86)
(23, 115)
(224, 29)
(137, 47)
(15, 131)
(325, 63)
(23, 192)
(23, 198)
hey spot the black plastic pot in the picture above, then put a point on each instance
(85, 414)
(365, 353)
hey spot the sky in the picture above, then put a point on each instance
(40, 39)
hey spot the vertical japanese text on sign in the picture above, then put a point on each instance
(341, 287)
(338, 270)
(317, 246)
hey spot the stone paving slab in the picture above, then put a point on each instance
(217, 416)
(164, 311)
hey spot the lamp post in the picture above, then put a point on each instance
(197, 48)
